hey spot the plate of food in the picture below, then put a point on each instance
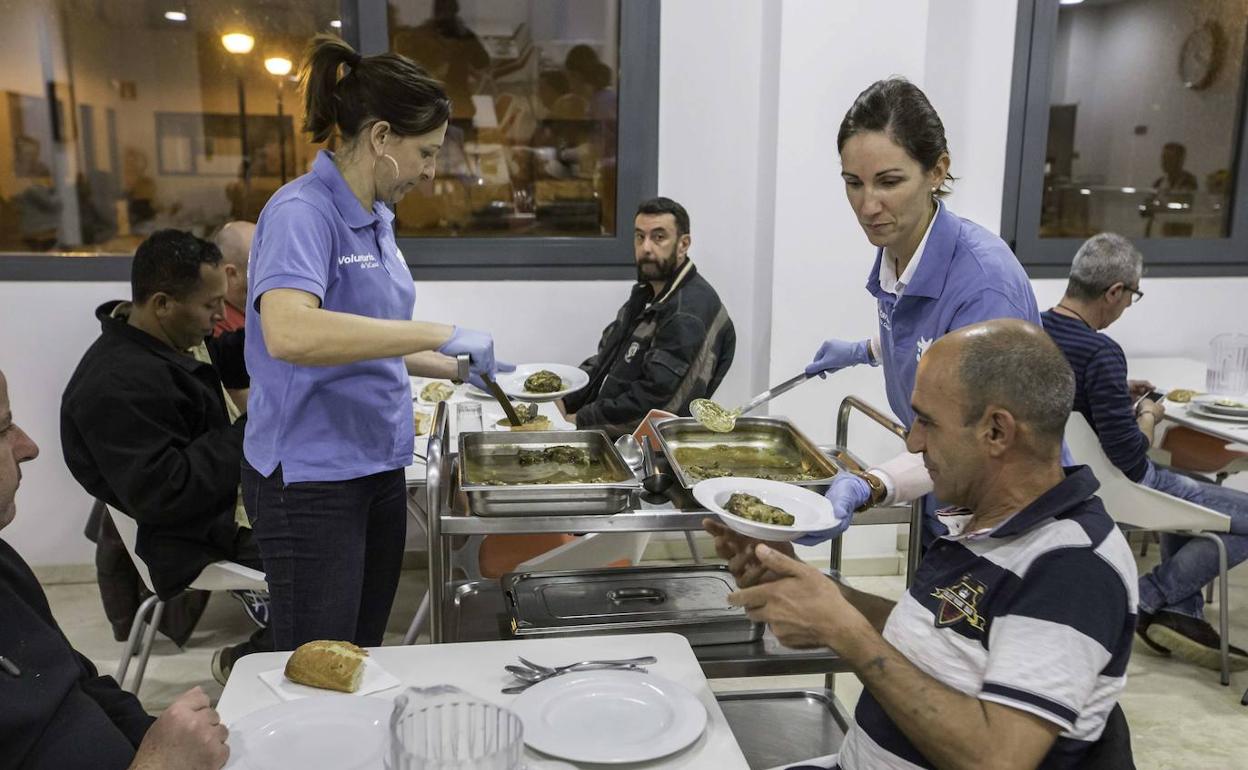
(1232, 406)
(765, 509)
(530, 419)
(542, 382)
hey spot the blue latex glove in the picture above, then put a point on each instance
(480, 349)
(848, 493)
(835, 355)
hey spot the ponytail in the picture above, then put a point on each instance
(386, 87)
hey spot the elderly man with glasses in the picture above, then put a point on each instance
(1104, 281)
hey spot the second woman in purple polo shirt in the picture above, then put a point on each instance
(330, 345)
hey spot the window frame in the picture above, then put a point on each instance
(364, 25)
(1034, 43)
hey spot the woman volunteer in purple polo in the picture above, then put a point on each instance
(330, 346)
(934, 271)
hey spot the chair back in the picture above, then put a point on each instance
(128, 529)
(1135, 504)
(1113, 750)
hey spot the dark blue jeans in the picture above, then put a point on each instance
(332, 553)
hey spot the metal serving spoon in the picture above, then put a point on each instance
(716, 418)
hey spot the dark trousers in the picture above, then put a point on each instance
(332, 553)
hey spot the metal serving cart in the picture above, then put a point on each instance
(476, 610)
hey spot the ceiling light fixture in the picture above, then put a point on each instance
(175, 15)
(336, 24)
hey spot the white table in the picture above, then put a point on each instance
(478, 668)
(1170, 373)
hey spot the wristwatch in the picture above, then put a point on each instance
(878, 490)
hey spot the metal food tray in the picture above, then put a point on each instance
(689, 600)
(546, 499)
(761, 432)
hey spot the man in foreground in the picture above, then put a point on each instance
(1010, 649)
(57, 712)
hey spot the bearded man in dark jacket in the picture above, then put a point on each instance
(671, 342)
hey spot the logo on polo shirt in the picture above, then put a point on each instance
(923, 344)
(364, 261)
(632, 351)
(960, 602)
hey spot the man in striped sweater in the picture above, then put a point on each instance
(1104, 281)
(1010, 648)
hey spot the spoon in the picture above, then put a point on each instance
(630, 450)
(716, 418)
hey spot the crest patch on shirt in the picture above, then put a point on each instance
(632, 351)
(959, 602)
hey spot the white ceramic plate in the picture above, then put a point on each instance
(512, 383)
(313, 734)
(1235, 406)
(811, 511)
(609, 717)
(375, 679)
(1203, 412)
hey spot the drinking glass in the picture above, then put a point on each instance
(1227, 374)
(445, 728)
(468, 417)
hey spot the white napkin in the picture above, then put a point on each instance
(375, 679)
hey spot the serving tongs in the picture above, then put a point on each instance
(714, 417)
(463, 369)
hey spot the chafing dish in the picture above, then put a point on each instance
(772, 434)
(688, 600)
(485, 460)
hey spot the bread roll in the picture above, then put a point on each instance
(328, 665)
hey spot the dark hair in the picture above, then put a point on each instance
(662, 205)
(388, 87)
(168, 261)
(900, 109)
(1017, 366)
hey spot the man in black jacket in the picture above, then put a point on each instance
(146, 425)
(56, 711)
(672, 341)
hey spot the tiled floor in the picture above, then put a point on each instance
(1180, 716)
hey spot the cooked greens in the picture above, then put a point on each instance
(750, 507)
(559, 454)
(701, 463)
(544, 381)
(712, 416)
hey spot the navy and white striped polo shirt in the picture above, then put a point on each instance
(1036, 614)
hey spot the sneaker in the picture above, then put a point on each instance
(255, 604)
(223, 662)
(1193, 640)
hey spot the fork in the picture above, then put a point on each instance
(515, 689)
(551, 671)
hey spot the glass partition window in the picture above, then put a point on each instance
(124, 117)
(1143, 119)
(532, 145)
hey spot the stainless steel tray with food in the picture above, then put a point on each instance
(543, 473)
(758, 447)
(687, 600)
